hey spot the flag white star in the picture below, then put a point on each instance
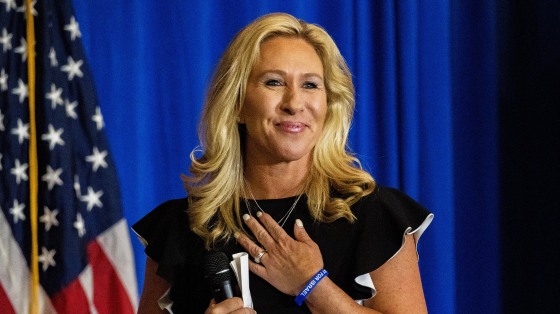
(17, 211)
(22, 131)
(20, 171)
(3, 81)
(73, 68)
(80, 225)
(2, 128)
(6, 40)
(52, 177)
(47, 258)
(53, 137)
(22, 49)
(98, 119)
(70, 108)
(92, 198)
(55, 96)
(10, 4)
(22, 8)
(52, 57)
(21, 91)
(97, 159)
(49, 218)
(74, 28)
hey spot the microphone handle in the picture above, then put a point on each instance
(222, 291)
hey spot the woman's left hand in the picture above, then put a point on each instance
(288, 263)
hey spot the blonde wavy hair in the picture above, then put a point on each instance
(215, 184)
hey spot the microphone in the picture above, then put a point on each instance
(216, 271)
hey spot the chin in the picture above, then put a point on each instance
(294, 156)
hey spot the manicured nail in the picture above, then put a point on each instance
(246, 217)
(299, 223)
(236, 235)
(259, 213)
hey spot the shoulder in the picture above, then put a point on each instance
(163, 213)
(383, 194)
(167, 220)
(384, 218)
(171, 207)
(386, 201)
(169, 242)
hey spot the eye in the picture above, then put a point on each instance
(273, 82)
(309, 85)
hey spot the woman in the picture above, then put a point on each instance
(273, 178)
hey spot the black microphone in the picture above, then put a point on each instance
(216, 271)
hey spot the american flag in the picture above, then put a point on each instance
(84, 261)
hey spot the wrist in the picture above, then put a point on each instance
(302, 295)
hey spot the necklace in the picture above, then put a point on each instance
(282, 220)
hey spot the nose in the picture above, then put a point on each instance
(293, 101)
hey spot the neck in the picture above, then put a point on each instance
(275, 181)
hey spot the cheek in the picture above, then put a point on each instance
(321, 113)
(256, 105)
(254, 118)
(248, 111)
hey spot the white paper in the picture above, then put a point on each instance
(240, 266)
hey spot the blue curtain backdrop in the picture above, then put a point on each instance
(426, 119)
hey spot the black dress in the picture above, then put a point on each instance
(350, 251)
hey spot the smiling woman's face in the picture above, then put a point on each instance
(285, 103)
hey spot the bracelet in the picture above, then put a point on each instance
(310, 285)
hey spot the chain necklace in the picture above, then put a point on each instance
(282, 220)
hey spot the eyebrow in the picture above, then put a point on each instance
(283, 73)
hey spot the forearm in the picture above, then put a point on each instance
(327, 297)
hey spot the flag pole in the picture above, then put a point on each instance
(33, 163)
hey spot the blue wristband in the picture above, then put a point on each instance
(310, 285)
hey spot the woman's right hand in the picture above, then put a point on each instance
(231, 305)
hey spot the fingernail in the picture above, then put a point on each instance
(246, 217)
(236, 235)
(259, 213)
(299, 223)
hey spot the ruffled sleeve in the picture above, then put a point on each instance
(384, 219)
(179, 253)
(163, 233)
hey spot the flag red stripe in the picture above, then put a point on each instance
(71, 299)
(5, 304)
(109, 294)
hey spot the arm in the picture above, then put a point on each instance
(398, 284)
(154, 288)
(290, 263)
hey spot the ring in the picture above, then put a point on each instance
(259, 256)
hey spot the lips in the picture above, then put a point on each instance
(291, 127)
